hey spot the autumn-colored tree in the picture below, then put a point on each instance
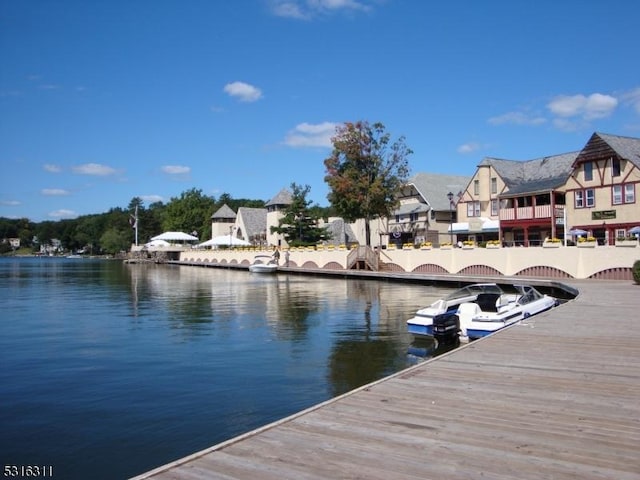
(365, 172)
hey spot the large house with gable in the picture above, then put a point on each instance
(519, 202)
(602, 191)
(524, 202)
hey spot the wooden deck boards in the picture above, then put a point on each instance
(555, 397)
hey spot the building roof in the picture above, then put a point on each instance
(224, 212)
(434, 188)
(340, 232)
(531, 176)
(254, 220)
(282, 198)
(601, 144)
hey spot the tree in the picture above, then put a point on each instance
(299, 225)
(365, 172)
(115, 240)
(191, 212)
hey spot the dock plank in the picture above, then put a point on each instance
(554, 397)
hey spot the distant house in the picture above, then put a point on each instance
(275, 209)
(425, 212)
(251, 225)
(223, 221)
(602, 190)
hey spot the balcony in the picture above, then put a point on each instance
(528, 213)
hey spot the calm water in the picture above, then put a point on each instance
(109, 370)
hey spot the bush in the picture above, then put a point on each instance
(636, 271)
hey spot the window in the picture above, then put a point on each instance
(473, 209)
(413, 217)
(397, 218)
(615, 167)
(579, 199)
(590, 197)
(494, 207)
(624, 193)
(616, 197)
(588, 171)
(494, 185)
(629, 193)
(476, 187)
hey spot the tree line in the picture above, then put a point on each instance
(364, 172)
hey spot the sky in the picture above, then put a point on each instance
(101, 102)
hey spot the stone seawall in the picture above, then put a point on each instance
(600, 262)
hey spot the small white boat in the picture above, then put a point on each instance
(263, 264)
(422, 322)
(490, 312)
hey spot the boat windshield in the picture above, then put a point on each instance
(474, 290)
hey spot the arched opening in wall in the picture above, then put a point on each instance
(309, 264)
(480, 270)
(390, 267)
(429, 268)
(543, 271)
(245, 262)
(620, 273)
(333, 266)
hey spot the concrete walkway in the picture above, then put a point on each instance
(555, 397)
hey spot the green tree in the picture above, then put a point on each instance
(191, 212)
(365, 172)
(115, 240)
(299, 225)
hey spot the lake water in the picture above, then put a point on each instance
(109, 370)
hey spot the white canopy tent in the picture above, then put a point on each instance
(157, 243)
(175, 237)
(224, 240)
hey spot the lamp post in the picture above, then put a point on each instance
(450, 197)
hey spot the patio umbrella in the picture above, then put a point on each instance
(635, 230)
(175, 236)
(577, 232)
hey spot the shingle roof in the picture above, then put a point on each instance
(255, 220)
(282, 198)
(339, 232)
(540, 174)
(434, 188)
(224, 212)
(626, 147)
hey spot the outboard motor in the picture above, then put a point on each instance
(446, 326)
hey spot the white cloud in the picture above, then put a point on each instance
(54, 192)
(307, 9)
(469, 148)
(63, 213)
(632, 98)
(176, 170)
(93, 169)
(52, 168)
(517, 118)
(243, 91)
(152, 198)
(309, 135)
(589, 107)
(10, 203)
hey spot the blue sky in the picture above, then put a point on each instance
(104, 101)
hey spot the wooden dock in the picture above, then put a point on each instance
(555, 397)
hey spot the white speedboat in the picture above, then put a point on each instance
(422, 322)
(490, 312)
(263, 264)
